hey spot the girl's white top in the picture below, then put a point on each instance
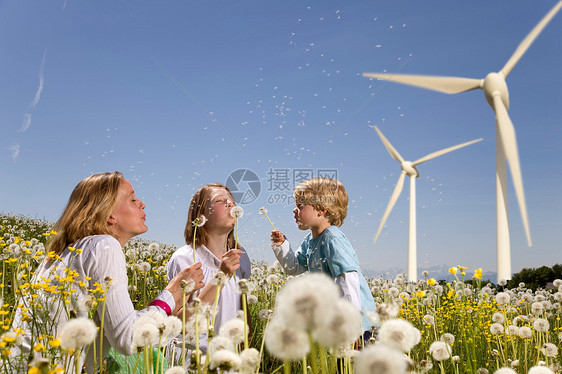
(102, 257)
(229, 299)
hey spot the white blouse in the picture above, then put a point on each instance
(102, 256)
(229, 299)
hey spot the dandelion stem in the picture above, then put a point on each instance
(193, 245)
(245, 309)
(183, 331)
(272, 225)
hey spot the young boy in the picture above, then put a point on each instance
(321, 206)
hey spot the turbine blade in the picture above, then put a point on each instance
(391, 203)
(529, 39)
(443, 151)
(393, 152)
(509, 143)
(450, 85)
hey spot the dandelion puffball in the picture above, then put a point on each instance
(380, 359)
(263, 210)
(440, 351)
(284, 342)
(78, 332)
(398, 334)
(236, 212)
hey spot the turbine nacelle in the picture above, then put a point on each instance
(409, 168)
(494, 84)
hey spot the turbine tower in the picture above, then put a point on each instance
(496, 93)
(409, 168)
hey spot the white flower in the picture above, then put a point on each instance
(393, 291)
(496, 328)
(153, 247)
(219, 343)
(272, 278)
(448, 338)
(387, 311)
(440, 351)
(175, 370)
(512, 330)
(234, 330)
(515, 364)
(541, 325)
(77, 333)
(342, 325)
(250, 359)
(549, 350)
(252, 299)
(540, 370)
(263, 210)
(303, 301)
(264, 314)
(199, 221)
(482, 371)
(398, 334)
(380, 359)
(505, 371)
(498, 317)
(429, 319)
(537, 308)
(225, 360)
(502, 298)
(85, 303)
(525, 332)
(172, 327)
(284, 342)
(237, 211)
(502, 282)
(145, 267)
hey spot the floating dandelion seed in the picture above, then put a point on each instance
(264, 212)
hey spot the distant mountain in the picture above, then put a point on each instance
(439, 272)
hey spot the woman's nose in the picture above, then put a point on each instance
(142, 205)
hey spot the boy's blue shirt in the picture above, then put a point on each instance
(332, 253)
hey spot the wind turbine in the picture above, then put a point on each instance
(409, 168)
(496, 93)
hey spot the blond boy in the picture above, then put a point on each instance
(321, 207)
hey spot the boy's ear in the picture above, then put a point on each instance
(322, 212)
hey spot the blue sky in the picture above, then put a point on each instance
(178, 94)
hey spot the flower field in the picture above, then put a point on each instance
(298, 325)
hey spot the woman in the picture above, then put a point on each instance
(210, 225)
(102, 214)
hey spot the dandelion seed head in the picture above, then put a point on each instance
(220, 342)
(341, 326)
(237, 211)
(505, 371)
(263, 210)
(234, 330)
(496, 328)
(380, 359)
(502, 298)
(175, 370)
(541, 325)
(498, 317)
(540, 370)
(153, 247)
(77, 333)
(549, 350)
(250, 358)
(398, 334)
(225, 360)
(525, 332)
(440, 351)
(448, 338)
(284, 342)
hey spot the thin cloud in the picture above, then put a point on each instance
(41, 82)
(15, 150)
(26, 122)
(27, 116)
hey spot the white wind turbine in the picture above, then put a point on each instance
(409, 168)
(496, 93)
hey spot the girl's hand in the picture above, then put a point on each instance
(277, 237)
(230, 262)
(194, 276)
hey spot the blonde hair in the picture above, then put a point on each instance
(199, 203)
(87, 210)
(324, 193)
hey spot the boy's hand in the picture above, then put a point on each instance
(277, 237)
